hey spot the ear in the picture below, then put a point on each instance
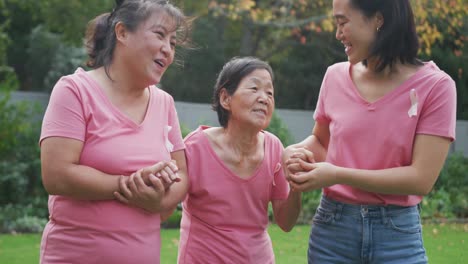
(121, 33)
(225, 99)
(379, 20)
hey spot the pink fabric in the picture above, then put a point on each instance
(381, 135)
(81, 231)
(225, 217)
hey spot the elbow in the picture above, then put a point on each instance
(51, 184)
(424, 190)
(51, 187)
(285, 224)
(287, 229)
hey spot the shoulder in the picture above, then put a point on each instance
(340, 67)
(77, 83)
(431, 70)
(437, 79)
(272, 141)
(158, 92)
(196, 136)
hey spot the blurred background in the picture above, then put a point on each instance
(43, 40)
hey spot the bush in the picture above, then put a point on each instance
(278, 128)
(22, 197)
(453, 180)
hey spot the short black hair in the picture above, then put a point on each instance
(397, 38)
(229, 78)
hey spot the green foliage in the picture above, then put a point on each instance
(174, 220)
(278, 128)
(454, 181)
(21, 193)
(310, 202)
(50, 58)
(184, 130)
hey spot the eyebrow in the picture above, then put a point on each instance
(166, 31)
(258, 80)
(339, 16)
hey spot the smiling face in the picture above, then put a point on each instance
(151, 48)
(253, 101)
(354, 30)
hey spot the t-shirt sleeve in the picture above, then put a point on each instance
(438, 114)
(64, 116)
(319, 114)
(175, 135)
(280, 186)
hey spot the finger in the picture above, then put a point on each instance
(131, 183)
(167, 171)
(172, 174)
(157, 183)
(299, 178)
(164, 177)
(295, 187)
(123, 187)
(173, 166)
(138, 180)
(158, 166)
(306, 165)
(121, 198)
(294, 168)
(309, 156)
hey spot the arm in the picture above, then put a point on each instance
(418, 178)
(317, 143)
(287, 211)
(176, 193)
(157, 194)
(63, 175)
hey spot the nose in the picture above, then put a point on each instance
(338, 34)
(166, 47)
(263, 98)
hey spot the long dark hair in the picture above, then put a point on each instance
(397, 38)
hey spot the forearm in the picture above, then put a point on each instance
(313, 144)
(286, 212)
(81, 182)
(401, 180)
(174, 195)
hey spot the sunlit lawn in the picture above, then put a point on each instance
(445, 244)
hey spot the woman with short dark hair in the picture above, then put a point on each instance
(235, 172)
(384, 124)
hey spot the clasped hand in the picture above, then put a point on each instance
(303, 173)
(146, 187)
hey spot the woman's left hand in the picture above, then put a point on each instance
(134, 192)
(315, 176)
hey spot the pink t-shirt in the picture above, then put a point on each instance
(381, 135)
(225, 217)
(82, 231)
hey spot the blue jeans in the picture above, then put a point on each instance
(346, 233)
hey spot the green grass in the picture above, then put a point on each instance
(445, 243)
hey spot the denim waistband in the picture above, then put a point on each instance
(369, 210)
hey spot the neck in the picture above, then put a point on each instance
(122, 83)
(244, 142)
